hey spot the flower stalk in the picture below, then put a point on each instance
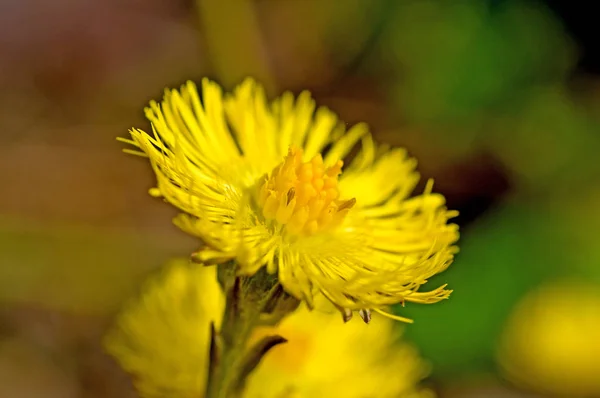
(251, 301)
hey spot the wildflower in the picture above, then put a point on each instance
(550, 342)
(317, 361)
(162, 339)
(265, 184)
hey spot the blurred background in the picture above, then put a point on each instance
(498, 100)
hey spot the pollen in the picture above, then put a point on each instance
(303, 197)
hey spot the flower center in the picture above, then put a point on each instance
(291, 357)
(303, 197)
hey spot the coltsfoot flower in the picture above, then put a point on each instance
(317, 361)
(162, 338)
(265, 184)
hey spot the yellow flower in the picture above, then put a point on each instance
(325, 357)
(264, 184)
(551, 341)
(162, 339)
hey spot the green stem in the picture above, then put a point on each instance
(231, 360)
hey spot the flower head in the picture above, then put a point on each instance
(317, 360)
(162, 339)
(265, 184)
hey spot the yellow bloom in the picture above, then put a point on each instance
(262, 183)
(325, 357)
(162, 339)
(551, 341)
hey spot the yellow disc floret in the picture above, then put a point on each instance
(302, 197)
